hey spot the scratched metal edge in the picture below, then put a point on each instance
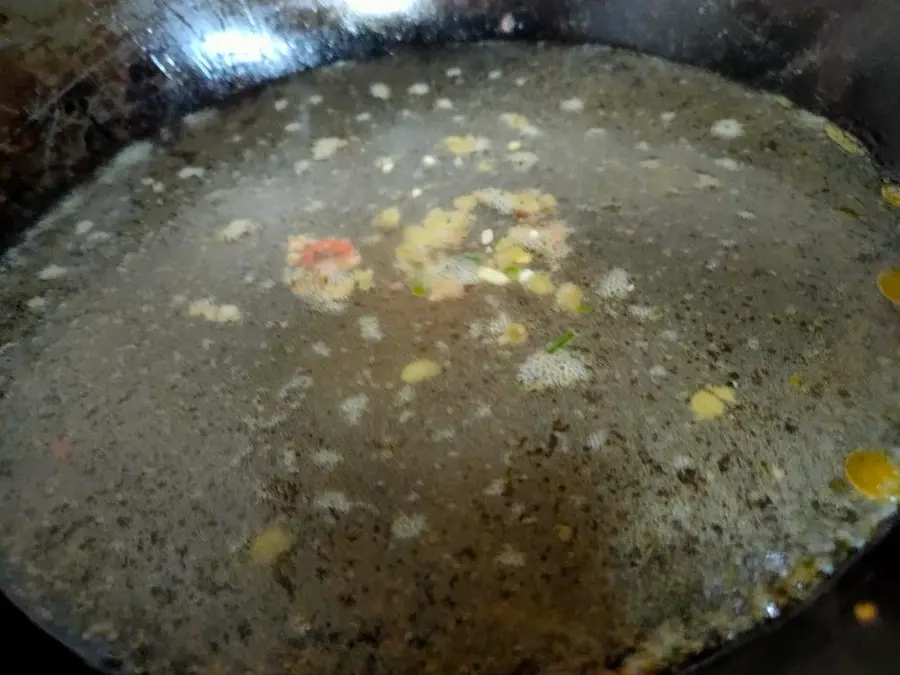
(843, 63)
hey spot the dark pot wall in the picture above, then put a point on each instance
(83, 78)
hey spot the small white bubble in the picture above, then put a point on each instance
(728, 163)
(572, 105)
(191, 172)
(326, 459)
(323, 148)
(418, 89)
(643, 313)
(380, 90)
(236, 229)
(771, 610)
(507, 24)
(200, 118)
(321, 349)
(332, 500)
(596, 440)
(669, 335)
(405, 396)
(297, 383)
(496, 488)
(281, 104)
(707, 182)
(682, 462)
(52, 273)
(408, 527)
(727, 129)
(454, 72)
(443, 104)
(386, 164)
(658, 372)
(316, 99)
(82, 227)
(511, 558)
(36, 303)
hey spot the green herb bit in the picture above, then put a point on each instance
(561, 342)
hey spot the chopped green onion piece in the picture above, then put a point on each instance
(512, 272)
(561, 342)
(474, 257)
(418, 289)
(584, 309)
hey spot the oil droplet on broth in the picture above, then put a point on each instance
(569, 298)
(419, 371)
(873, 474)
(270, 544)
(388, 219)
(890, 193)
(889, 284)
(711, 402)
(844, 140)
(865, 613)
(514, 334)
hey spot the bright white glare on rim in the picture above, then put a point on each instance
(235, 46)
(378, 7)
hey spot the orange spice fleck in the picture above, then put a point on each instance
(865, 612)
(329, 252)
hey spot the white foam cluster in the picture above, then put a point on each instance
(353, 408)
(559, 370)
(615, 285)
(370, 328)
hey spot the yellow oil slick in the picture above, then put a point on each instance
(569, 298)
(873, 474)
(419, 371)
(540, 284)
(514, 334)
(844, 140)
(388, 219)
(711, 402)
(889, 284)
(270, 544)
(890, 193)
